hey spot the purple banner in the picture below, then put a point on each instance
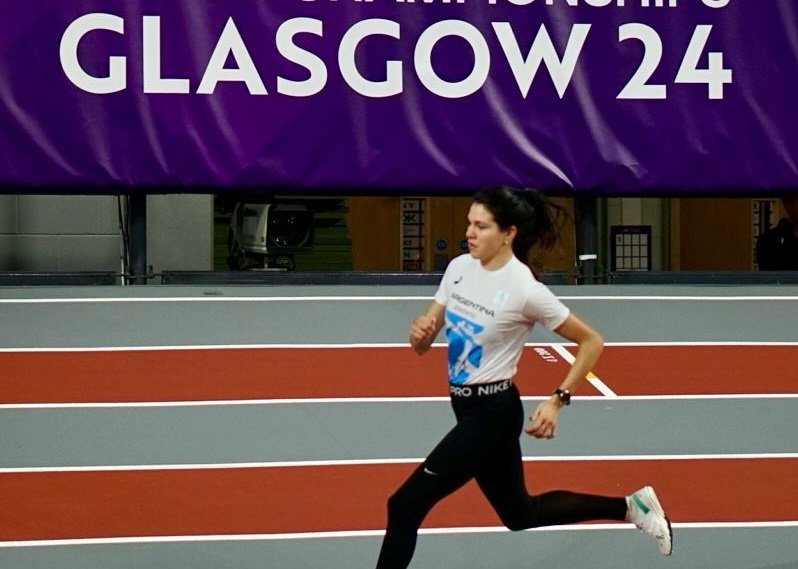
(606, 97)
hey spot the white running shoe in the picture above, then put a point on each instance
(646, 513)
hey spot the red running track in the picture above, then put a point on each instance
(64, 505)
(55, 505)
(266, 373)
(666, 370)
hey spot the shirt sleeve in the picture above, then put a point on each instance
(543, 306)
(442, 294)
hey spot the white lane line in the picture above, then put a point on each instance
(591, 377)
(689, 344)
(224, 402)
(346, 400)
(404, 345)
(683, 298)
(391, 345)
(321, 298)
(383, 461)
(372, 533)
(214, 298)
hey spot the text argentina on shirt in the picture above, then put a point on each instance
(473, 305)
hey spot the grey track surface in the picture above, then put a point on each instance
(245, 315)
(735, 548)
(257, 433)
(189, 316)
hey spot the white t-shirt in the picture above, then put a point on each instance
(489, 315)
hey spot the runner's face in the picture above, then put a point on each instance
(486, 241)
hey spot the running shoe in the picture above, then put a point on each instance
(646, 513)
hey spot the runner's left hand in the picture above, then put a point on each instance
(543, 420)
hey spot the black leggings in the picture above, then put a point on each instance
(484, 445)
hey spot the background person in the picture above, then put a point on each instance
(777, 247)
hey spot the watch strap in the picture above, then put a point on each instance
(564, 395)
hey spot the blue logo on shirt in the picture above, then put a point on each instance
(465, 353)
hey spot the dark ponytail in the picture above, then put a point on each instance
(537, 219)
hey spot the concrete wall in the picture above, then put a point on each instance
(180, 232)
(81, 233)
(59, 233)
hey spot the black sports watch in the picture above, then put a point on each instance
(564, 395)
